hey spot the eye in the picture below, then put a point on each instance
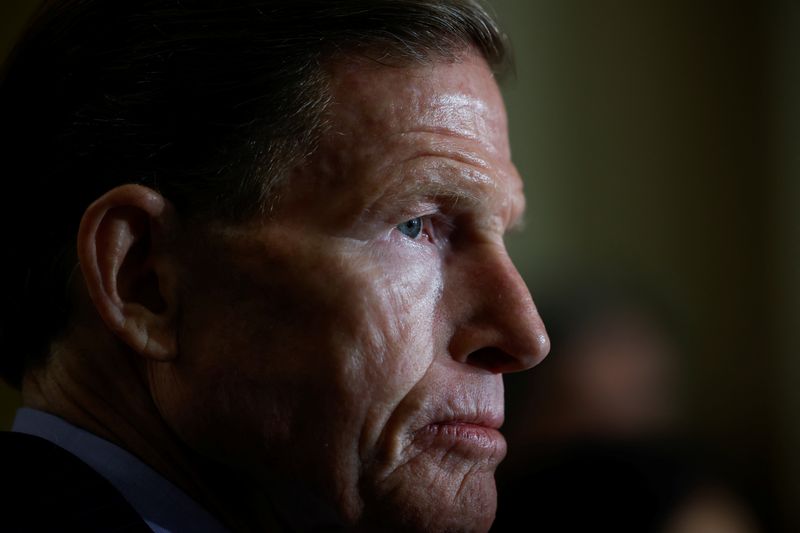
(411, 228)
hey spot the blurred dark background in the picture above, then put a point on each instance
(658, 141)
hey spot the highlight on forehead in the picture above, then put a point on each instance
(458, 114)
(452, 99)
(347, 74)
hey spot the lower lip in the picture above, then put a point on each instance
(474, 437)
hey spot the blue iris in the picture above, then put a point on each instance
(411, 228)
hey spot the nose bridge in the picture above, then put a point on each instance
(501, 321)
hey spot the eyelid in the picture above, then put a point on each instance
(435, 228)
(417, 210)
(439, 226)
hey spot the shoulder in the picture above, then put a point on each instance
(47, 488)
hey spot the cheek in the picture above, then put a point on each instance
(256, 348)
(391, 340)
(398, 296)
(314, 346)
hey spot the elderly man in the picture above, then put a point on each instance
(257, 278)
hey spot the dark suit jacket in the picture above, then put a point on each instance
(45, 488)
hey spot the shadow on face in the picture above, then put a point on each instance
(355, 342)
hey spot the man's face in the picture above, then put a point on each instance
(353, 344)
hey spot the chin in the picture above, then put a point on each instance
(450, 495)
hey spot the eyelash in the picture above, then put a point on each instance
(434, 227)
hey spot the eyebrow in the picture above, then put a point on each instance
(518, 224)
(434, 182)
(472, 187)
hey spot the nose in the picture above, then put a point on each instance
(496, 324)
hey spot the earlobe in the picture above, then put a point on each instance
(128, 274)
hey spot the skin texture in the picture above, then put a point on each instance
(322, 355)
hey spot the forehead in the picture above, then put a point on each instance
(426, 133)
(458, 98)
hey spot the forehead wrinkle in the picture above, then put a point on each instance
(456, 115)
(459, 114)
(428, 111)
(443, 142)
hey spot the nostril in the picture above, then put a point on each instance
(493, 359)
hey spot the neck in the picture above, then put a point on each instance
(109, 397)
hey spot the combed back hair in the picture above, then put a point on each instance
(209, 102)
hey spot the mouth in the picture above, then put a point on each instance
(475, 436)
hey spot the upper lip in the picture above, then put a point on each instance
(478, 403)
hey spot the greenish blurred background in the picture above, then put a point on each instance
(658, 141)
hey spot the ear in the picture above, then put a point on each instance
(130, 276)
